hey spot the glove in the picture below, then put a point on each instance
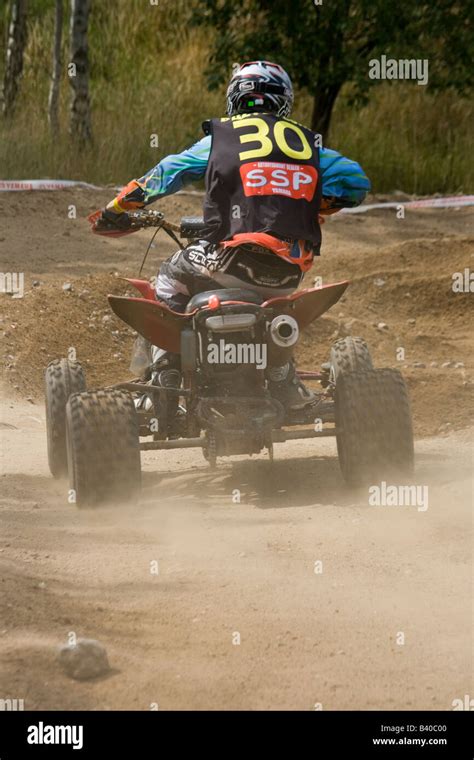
(110, 223)
(110, 219)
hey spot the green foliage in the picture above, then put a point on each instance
(329, 45)
(332, 42)
(148, 68)
(409, 140)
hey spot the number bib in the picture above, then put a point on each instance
(262, 176)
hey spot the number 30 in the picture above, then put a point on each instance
(266, 144)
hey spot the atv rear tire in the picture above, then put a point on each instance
(375, 438)
(63, 377)
(103, 447)
(349, 355)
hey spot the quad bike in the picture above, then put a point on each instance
(224, 409)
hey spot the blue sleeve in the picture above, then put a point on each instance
(174, 171)
(344, 182)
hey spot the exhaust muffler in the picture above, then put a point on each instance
(284, 333)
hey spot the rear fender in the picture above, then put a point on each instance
(307, 305)
(162, 326)
(152, 319)
(143, 287)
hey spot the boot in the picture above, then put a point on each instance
(168, 378)
(285, 386)
(165, 374)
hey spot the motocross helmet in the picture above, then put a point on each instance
(260, 86)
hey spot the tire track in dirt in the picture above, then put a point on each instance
(248, 567)
(226, 567)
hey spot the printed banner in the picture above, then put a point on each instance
(13, 185)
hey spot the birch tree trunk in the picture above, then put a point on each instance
(14, 58)
(80, 116)
(53, 101)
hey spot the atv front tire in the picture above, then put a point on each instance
(373, 420)
(103, 447)
(349, 354)
(63, 377)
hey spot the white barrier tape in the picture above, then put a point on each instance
(14, 185)
(452, 201)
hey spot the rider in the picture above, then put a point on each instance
(268, 180)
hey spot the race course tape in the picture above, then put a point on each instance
(13, 185)
(452, 201)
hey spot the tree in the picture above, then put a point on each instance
(80, 115)
(53, 102)
(17, 35)
(326, 45)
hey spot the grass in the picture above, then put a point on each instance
(147, 78)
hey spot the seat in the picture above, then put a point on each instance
(192, 227)
(227, 294)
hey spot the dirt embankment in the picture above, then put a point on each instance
(400, 299)
(298, 595)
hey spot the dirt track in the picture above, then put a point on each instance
(247, 567)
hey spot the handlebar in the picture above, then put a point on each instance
(141, 219)
(190, 227)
